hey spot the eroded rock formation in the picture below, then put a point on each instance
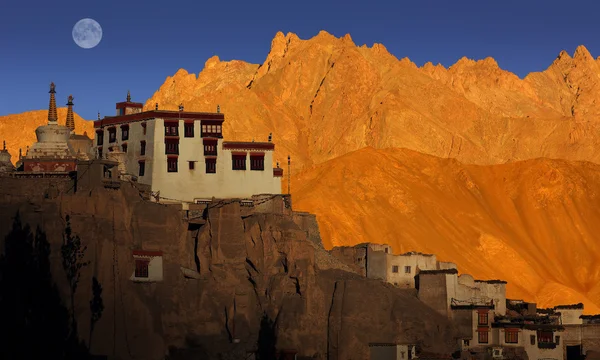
(247, 265)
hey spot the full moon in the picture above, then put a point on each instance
(87, 33)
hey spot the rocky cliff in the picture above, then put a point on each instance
(247, 265)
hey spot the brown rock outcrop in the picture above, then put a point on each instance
(247, 265)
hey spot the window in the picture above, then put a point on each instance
(511, 337)
(144, 128)
(257, 162)
(172, 147)
(483, 337)
(124, 132)
(191, 164)
(466, 342)
(359, 259)
(99, 153)
(188, 129)
(557, 340)
(238, 162)
(211, 166)
(172, 164)
(124, 147)
(407, 269)
(395, 268)
(99, 138)
(112, 135)
(142, 169)
(211, 130)
(386, 250)
(171, 129)
(545, 336)
(210, 148)
(482, 318)
(532, 339)
(141, 268)
(142, 148)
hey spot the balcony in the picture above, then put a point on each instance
(546, 345)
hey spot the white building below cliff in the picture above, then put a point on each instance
(183, 157)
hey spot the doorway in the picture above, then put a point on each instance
(574, 352)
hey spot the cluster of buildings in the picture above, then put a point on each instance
(181, 156)
(490, 326)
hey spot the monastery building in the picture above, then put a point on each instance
(182, 155)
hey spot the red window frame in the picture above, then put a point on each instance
(238, 162)
(511, 336)
(211, 165)
(172, 164)
(141, 268)
(483, 337)
(257, 162)
(188, 129)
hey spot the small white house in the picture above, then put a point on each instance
(148, 266)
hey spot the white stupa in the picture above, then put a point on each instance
(52, 151)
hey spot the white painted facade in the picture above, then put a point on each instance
(403, 268)
(189, 185)
(570, 316)
(154, 264)
(467, 290)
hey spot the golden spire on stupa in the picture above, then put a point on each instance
(70, 119)
(52, 114)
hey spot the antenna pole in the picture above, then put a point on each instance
(289, 174)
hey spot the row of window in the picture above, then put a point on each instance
(257, 163)
(395, 269)
(172, 166)
(171, 129)
(512, 337)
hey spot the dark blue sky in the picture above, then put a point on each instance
(146, 41)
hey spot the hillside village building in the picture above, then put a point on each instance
(182, 155)
(489, 326)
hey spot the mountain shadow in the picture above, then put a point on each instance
(35, 324)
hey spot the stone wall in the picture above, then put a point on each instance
(433, 292)
(590, 337)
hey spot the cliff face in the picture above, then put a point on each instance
(248, 265)
(19, 129)
(533, 223)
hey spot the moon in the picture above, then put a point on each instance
(87, 33)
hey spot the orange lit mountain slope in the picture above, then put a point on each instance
(18, 130)
(324, 97)
(533, 223)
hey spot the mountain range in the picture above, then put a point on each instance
(496, 173)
